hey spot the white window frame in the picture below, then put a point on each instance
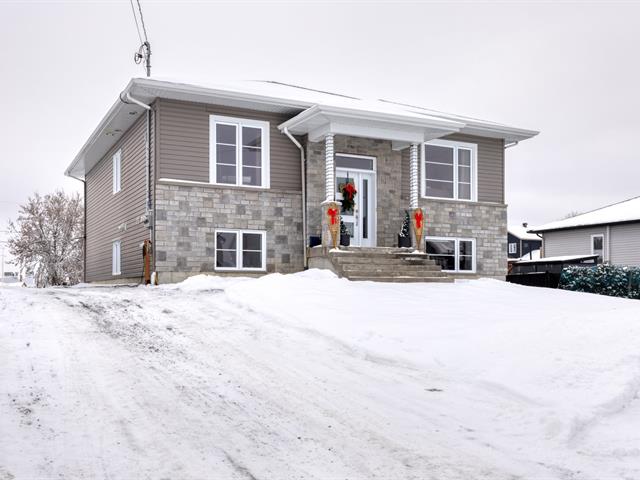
(455, 145)
(116, 165)
(603, 246)
(116, 257)
(239, 248)
(457, 241)
(513, 248)
(214, 120)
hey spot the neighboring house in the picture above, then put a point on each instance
(521, 243)
(611, 232)
(232, 180)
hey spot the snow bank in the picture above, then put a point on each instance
(313, 376)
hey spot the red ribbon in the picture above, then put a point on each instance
(332, 212)
(350, 190)
(418, 218)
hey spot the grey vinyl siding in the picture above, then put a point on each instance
(183, 143)
(625, 244)
(490, 168)
(572, 242)
(107, 211)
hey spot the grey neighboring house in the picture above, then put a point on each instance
(612, 232)
(232, 180)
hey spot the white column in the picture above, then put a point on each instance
(413, 176)
(329, 169)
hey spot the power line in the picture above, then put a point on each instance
(144, 51)
(144, 28)
(135, 18)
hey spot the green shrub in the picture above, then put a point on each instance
(612, 280)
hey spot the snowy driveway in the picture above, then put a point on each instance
(308, 376)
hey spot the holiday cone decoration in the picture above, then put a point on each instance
(417, 217)
(333, 222)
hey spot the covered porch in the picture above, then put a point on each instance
(375, 155)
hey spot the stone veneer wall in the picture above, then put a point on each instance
(187, 217)
(388, 178)
(486, 222)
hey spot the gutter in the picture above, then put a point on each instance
(304, 194)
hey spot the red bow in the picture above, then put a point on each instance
(350, 190)
(332, 212)
(418, 218)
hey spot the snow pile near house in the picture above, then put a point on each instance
(312, 376)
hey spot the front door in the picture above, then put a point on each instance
(360, 220)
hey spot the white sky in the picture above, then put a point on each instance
(567, 69)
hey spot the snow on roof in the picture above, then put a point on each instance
(309, 96)
(625, 211)
(565, 258)
(521, 232)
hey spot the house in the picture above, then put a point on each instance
(234, 180)
(520, 243)
(611, 232)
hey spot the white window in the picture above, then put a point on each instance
(116, 257)
(449, 170)
(513, 248)
(239, 152)
(453, 254)
(240, 250)
(116, 161)
(597, 246)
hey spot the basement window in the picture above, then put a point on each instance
(240, 250)
(116, 257)
(453, 254)
(239, 152)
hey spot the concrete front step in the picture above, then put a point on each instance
(400, 279)
(392, 269)
(381, 260)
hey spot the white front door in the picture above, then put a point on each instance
(360, 220)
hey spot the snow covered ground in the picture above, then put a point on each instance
(312, 377)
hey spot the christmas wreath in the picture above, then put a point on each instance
(349, 192)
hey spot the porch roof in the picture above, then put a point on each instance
(401, 128)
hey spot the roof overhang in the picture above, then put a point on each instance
(122, 115)
(401, 126)
(320, 120)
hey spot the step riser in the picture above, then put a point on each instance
(382, 261)
(395, 269)
(395, 275)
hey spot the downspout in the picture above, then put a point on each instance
(304, 194)
(148, 206)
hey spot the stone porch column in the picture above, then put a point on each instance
(330, 207)
(417, 213)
